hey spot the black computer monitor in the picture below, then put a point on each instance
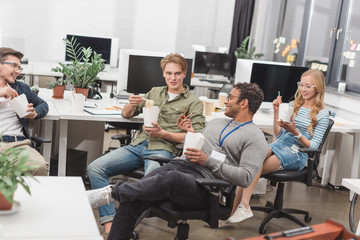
(145, 73)
(213, 63)
(276, 78)
(99, 45)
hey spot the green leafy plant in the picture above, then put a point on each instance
(35, 89)
(13, 169)
(247, 52)
(58, 82)
(81, 75)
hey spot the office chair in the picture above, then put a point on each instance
(226, 88)
(39, 141)
(306, 175)
(177, 216)
(124, 139)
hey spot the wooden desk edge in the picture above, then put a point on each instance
(328, 230)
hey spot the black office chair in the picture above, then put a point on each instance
(177, 216)
(38, 141)
(226, 88)
(124, 139)
(306, 175)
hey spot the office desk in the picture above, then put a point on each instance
(354, 186)
(58, 208)
(62, 111)
(264, 119)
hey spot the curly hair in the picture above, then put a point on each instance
(319, 81)
(252, 93)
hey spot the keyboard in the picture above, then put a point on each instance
(214, 80)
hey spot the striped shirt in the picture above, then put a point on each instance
(302, 121)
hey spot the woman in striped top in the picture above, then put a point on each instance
(306, 129)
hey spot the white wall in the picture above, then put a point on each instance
(37, 27)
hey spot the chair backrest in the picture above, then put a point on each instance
(331, 123)
(226, 88)
(314, 159)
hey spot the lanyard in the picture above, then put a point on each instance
(222, 140)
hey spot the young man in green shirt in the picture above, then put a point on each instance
(161, 140)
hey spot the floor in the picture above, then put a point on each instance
(322, 203)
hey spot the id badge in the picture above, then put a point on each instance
(218, 155)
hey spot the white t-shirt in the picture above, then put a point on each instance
(10, 124)
(172, 96)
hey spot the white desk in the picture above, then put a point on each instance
(58, 208)
(61, 109)
(265, 121)
(354, 186)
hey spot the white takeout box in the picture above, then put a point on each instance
(193, 140)
(19, 104)
(78, 102)
(285, 112)
(150, 115)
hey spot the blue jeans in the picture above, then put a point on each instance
(119, 161)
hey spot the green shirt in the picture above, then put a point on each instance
(168, 116)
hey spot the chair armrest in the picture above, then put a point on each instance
(41, 140)
(310, 150)
(160, 160)
(212, 182)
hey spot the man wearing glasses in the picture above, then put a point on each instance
(234, 150)
(14, 130)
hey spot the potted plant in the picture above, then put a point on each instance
(84, 68)
(35, 89)
(13, 170)
(58, 87)
(247, 52)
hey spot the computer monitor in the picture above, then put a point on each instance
(145, 73)
(124, 64)
(107, 47)
(273, 79)
(212, 63)
(244, 68)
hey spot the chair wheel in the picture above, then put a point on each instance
(268, 204)
(262, 230)
(135, 235)
(307, 218)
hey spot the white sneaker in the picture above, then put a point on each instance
(241, 213)
(100, 197)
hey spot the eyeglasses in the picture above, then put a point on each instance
(307, 87)
(15, 65)
(230, 96)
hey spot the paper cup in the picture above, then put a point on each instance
(341, 87)
(19, 104)
(78, 102)
(150, 115)
(285, 112)
(209, 107)
(222, 98)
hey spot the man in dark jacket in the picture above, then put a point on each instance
(15, 130)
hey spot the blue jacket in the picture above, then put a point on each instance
(41, 107)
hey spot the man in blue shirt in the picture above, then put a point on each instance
(15, 130)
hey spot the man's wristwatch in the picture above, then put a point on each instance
(298, 136)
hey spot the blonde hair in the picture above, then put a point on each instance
(319, 81)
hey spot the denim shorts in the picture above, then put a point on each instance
(286, 149)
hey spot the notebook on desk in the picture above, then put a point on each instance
(103, 111)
